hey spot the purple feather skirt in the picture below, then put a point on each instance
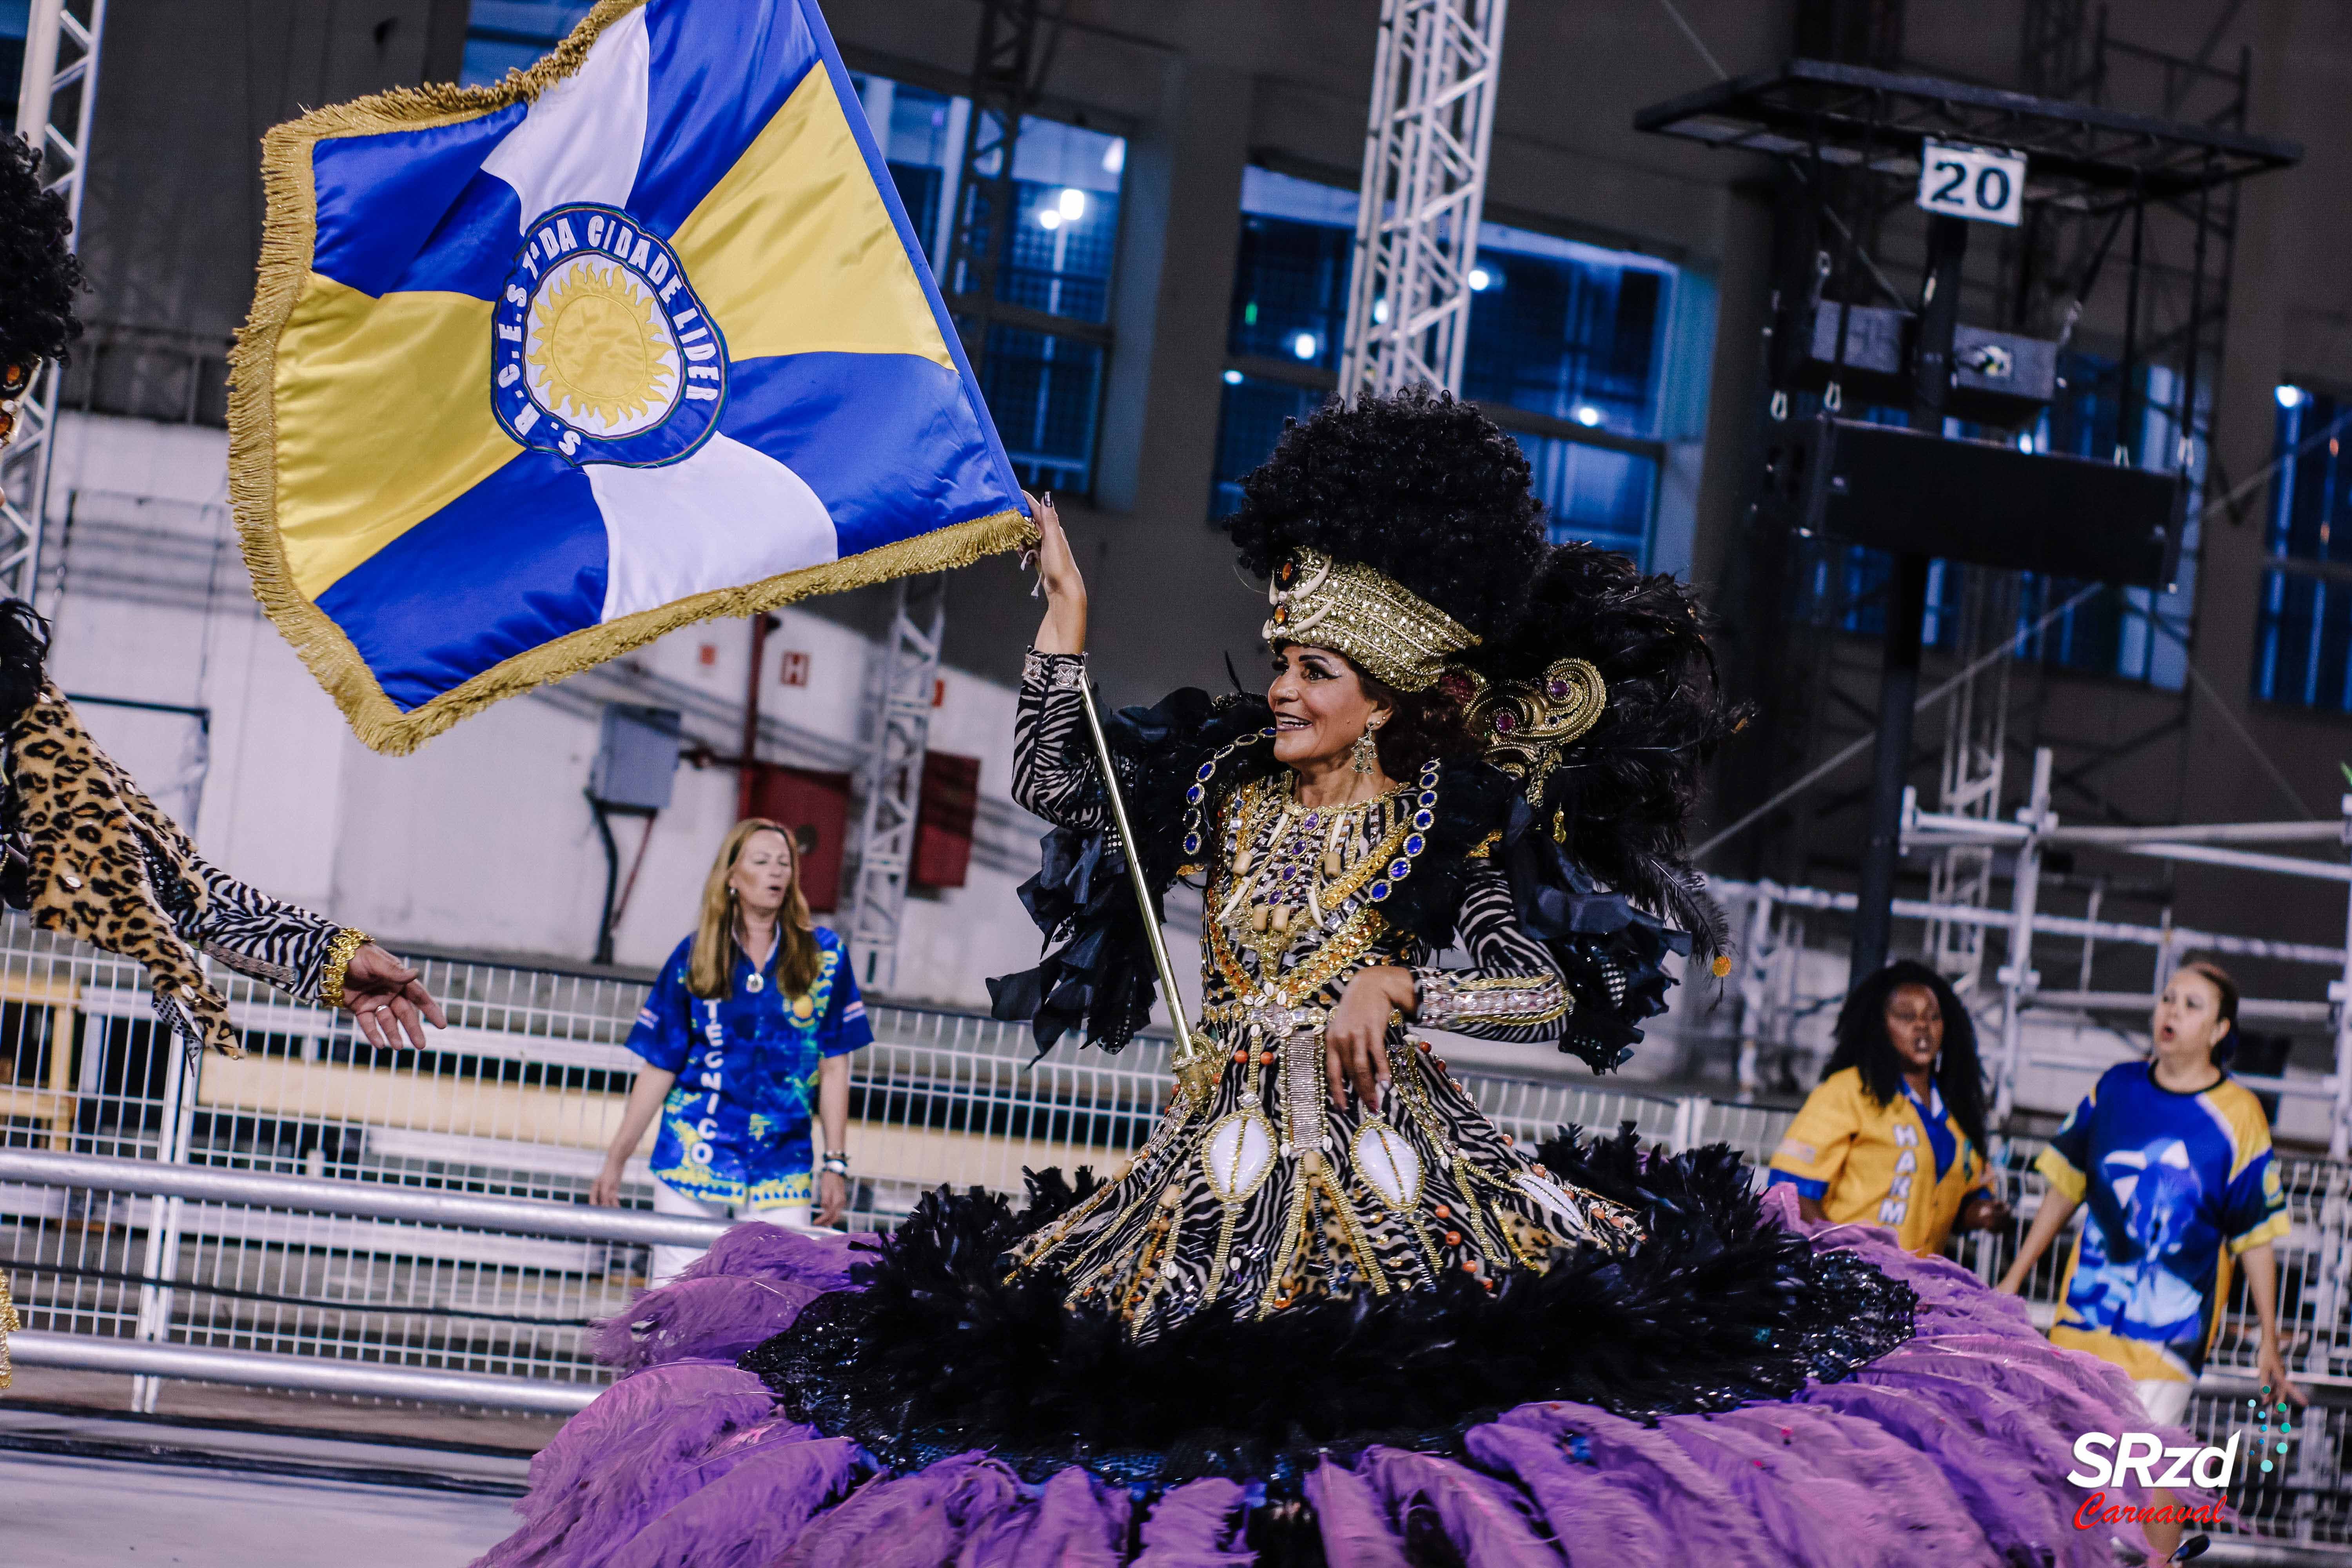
(1952, 1448)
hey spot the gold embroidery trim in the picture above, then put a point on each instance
(9, 1324)
(338, 966)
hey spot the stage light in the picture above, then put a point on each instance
(1073, 202)
(2289, 397)
(2025, 440)
(1049, 219)
(1303, 345)
(1233, 378)
(1480, 278)
(1380, 311)
(1587, 415)
(1115, 157)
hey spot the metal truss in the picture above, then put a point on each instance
(2101, 119)
(55, 100)
(1425, 184)
(1976, 737)
(1018, 39)
(2082, 155)
(908, 672)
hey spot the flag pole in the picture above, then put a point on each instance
(1184, 1050)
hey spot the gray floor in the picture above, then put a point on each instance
(159, 1503)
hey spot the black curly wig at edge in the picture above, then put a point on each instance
(24, 650)
(37, 306)
(1418, 485)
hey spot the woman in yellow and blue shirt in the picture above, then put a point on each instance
(1895, 1135)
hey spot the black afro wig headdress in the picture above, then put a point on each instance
(38, 274)
(1417, 484)
(1621, 795)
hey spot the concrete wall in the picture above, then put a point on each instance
(1200, 88)
(481, 840)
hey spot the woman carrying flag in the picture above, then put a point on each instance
(1329, 1310)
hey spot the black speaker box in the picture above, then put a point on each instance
(1998, 378)
(1984, 503)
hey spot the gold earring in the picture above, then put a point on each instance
(1365, 754)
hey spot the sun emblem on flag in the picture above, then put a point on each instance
(600, 350)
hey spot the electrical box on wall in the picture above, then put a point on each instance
(636, 757)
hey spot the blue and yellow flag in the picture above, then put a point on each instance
(539, 372)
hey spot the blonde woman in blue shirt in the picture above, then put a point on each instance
(1895, 1135)
(746, 1040)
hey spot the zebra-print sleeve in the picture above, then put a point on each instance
(258, 935)
(1053, 773)
(1512, 991)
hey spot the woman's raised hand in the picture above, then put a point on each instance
(1064, 629)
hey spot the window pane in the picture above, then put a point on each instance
(1594, 493)
(2309, 508)
(2303, 630)
(508, 35)
(1042, 392)
(1559, 329)
(1290, 287)
(1566, 330)
(1248, 426)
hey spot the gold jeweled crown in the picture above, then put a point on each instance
(1402, 638)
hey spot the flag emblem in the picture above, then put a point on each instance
(602, 353)
(539, 372)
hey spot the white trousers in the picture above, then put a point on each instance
(2165, 1399)
(668, 1261)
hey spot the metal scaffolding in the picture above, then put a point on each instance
(1018, 39)
(55, 97)
(1017, 42)
(907, 672)
(2141, 366)
(1425, 184)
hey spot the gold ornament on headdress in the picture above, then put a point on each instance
(1526, 726)
(1403, 639)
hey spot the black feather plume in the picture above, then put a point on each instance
(944, 1349)
(1622, 794)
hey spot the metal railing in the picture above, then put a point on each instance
(366, 1224)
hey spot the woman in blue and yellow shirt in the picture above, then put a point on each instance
(746, 1040)
(1895, 1135)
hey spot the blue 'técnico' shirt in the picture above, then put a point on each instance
(735, 1129)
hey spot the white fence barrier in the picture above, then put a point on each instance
(433, 1229)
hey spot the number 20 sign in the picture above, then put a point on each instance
(1972, 182)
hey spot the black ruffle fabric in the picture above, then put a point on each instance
(944, 1351)
(1098, 975)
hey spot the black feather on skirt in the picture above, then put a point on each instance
(946, 1349)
